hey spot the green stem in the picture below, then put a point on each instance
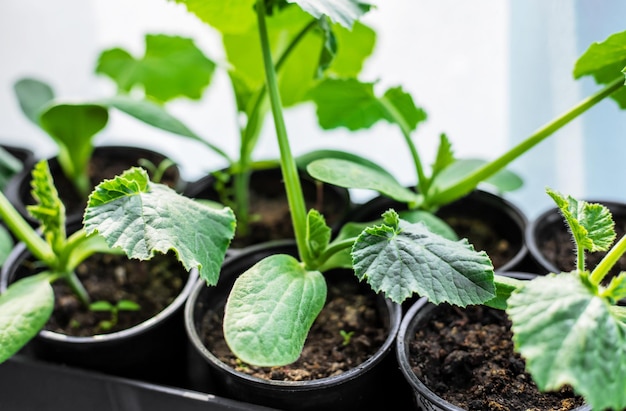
(288, 164)
(406, 132)
(335, 247)
(77, 288)
(250, 134)
(609, 260)
(580, 257)
(25, 233)
(470, 182)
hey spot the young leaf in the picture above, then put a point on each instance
(350, 174)
(49, 210)
(6, 244)
(318, 233)
(591, 224)
(570, 336)
(344, 12)
(24, 309)
(401, 259)
(32, 96)
(73, 126)
(444, 157)
(143, 218)
(353, 104)
(605, 61)
(172, 67)
(270, 310)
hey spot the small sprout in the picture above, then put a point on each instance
(347, 336)
(156, 171)
(122, 305)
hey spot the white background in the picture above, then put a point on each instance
(488, 73)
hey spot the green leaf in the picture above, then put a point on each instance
(350, 174)
(270, 310)
(24, 309)
(9, 166)
(127, 305)
(318, 233)
(172, 67)
(344, 12)
(152, 114)
(101, 306)
(407, 258)
(444, 157)
(144, 218)
(404, 110)
(434, 224)
(605, 61)
(591, 224)
(616, 290)
(353, 48)
(503, 181)
(329, 48)
(32, 96)
(569, 336)
(73, 126)
(49, 210)
(228, 16)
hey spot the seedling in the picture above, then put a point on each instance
(347, 336)
(114, 309)
(570, 327)
(28, 303)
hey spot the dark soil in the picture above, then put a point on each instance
(270, 216)
(153, 284)
(484, 237)
(557, 246)
(466, 356)
(347, 309)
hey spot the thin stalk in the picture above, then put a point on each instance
(470, 182)
(287, 162)
(25, 233)
(609, 260)
(77, 288)
(250, 135)
(406, 133)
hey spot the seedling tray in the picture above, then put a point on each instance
(27, 384)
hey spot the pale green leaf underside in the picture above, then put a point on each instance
(143, 218)
(569, 336)
(344, 12)
(414, 260)
(349, 174)
(24, 309)
(270, 310)
(504, 180)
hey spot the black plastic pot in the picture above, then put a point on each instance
(374, 382)
(332, 201)
(501, 215)
(417, 315)
(153, 351)
(113, 159)
(550, 243)
(32, 385)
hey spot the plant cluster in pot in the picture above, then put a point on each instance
(82, 303)
(272, 306)
(313, 50)
(568, 335)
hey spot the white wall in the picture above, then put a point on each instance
(478, 68)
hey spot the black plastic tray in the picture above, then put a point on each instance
(27, 384)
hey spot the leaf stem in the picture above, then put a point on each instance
(609, 260)
(24, 232)
(287, 162)
(77, 287)
(470, 182)
(406, 133)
